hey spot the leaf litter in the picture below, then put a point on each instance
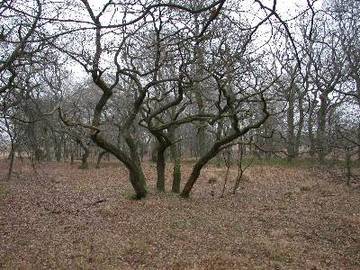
(281, 218)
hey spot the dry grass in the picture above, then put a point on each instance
(281, 218)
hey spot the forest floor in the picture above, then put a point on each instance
(61, 217)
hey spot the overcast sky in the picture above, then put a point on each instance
(286, 8)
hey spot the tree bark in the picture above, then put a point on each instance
(348, 165)
(240, 167)
(358, 137)
(160, 168)
(310, 128)
(134, 156)
(47, 145)
(84, 158)
(12, 159)
(84, 155)
(98, 161)
(198, 70)
(300, 127)
(217, 146)
(58, 145)
(291, 126)
(136, 175)
(176, 157)
(321, 129)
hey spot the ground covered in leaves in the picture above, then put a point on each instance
(61, 217)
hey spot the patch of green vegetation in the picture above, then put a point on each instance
(3, 191)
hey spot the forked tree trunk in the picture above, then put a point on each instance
(136, 175)
(132, 162)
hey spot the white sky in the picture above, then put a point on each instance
(287, 9)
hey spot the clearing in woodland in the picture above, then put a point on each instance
(60, 217)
